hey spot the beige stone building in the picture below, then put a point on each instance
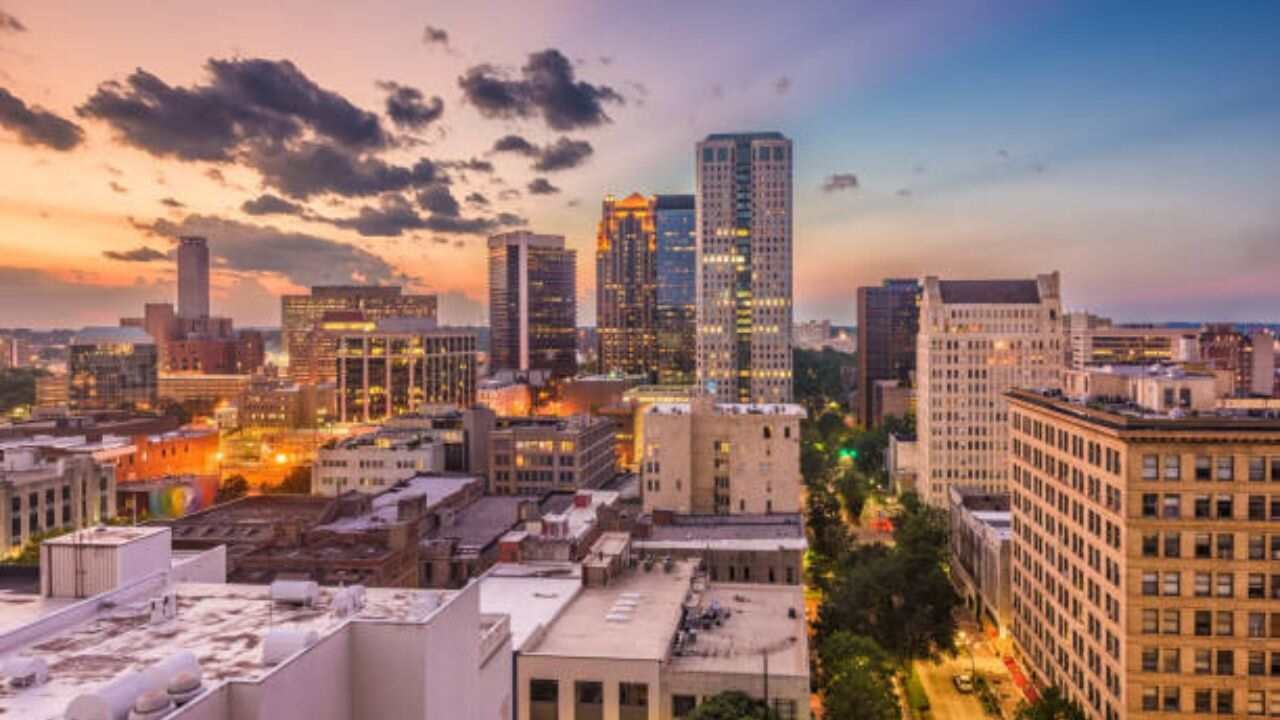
(45, 489)
(1093, 340)
(1146, 577)
(709, 458)
(978, 339)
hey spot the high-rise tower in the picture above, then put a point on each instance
(193, 278)
(626, 286)
(744, 266)
(532, 303)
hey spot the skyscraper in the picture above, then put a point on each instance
(888, 320)
(744, 266)
(110, 368)
(977, 340)
(533, 305)
(626, 286)
(312, 350)
(193, 278)
(675, 220)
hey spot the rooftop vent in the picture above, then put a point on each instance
(295, 592)
(151, 705)
(25, 672)
(280, 643)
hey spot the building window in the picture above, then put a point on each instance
(1150, 583)
(1226, 468)
(1150, 467)
(1150, 659)
(1172, 545)
(544, 699)
(1204, 468)
(682, 705)
(1203, 662)
(1172, 467)
(1257, 469)
(633, 701)
(589, 700)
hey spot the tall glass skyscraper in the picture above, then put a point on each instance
(533, 306)
(675, 220)
(626, 287)
(744, 267)
(888, 320)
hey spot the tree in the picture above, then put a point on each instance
(732, 705)
(829, 536)
(1052, 705)
(233, 488)
(921, 530)
(856, 679)
(853, 490)
(18, 387)
(30, 552)
(818, 377)
(297, 482)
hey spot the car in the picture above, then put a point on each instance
(963, 682)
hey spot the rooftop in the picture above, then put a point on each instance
(762, 619)
(435, 488)
(482, 522)
(532, 594)
(784, 531)
(107, 536)
(112, 335)
(1127, 416)
(788, 409)
(989, 292)
(766, 135)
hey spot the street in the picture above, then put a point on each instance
(947, 703)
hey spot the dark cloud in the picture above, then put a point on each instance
(142, 254)
(606, 60)
(438, 200)
(248, 103)
(30, 297)
(1002, 153)
(268, 204)
(562, 154)
(314, 169)
(541, 186)
(476, 198)
(507, 219)
(546, 87)
(117, 187)
(36, 126)
(440, 240)
(904, 192)
(302, 258)
(391, 219)
(782, 85)
(408, 108)
(9, 23)
(172, 202)
(840, 181)
(435, 36)
(472, 165)
(508, 194)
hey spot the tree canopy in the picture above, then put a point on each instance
(232, 488)
(857, 679)
(732, 705)
(1052, 705)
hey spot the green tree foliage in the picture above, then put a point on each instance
(234, 488)
(18, 387)
(297, 482)
(853, 490)
(732, 705)
(921, 531)
(1052, 705)
(171, 408)
(30, 553)
(857, 679)
(818, 377)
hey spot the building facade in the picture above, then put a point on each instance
(396, 366)
(44, 490)
(675, 221)
(374, 462)
(888, 321)
(1146, 580)
(1094, 340)
(109, 368)
(981, 551)
(626, 286)
(744, 267)
(978, 339)
(311, 351)
(532, 303)
(531, 456)
(706, 458)
(193, 277)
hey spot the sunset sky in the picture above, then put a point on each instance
(1135, 149)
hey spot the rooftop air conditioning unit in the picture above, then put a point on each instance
(296, 592)
(280, 643)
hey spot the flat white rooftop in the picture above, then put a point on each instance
(436, 489)
(760, 622)
(107, 536)
(532, 594)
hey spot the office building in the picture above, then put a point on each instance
(396, 365)
(193, 277)
(1145, 579)
(654, 640)
(978, 339)
(110, 368)
(766, 549)
(981, 547)
(532, 304)
(707, 458)
(1159, 388)
(626, 286)
(888, 320)
(534, 455)
(311, 349)
(1094, 340)
(48, 489)
(744, 267)
(675, 221)
(373, 462)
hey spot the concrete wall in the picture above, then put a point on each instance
(568, 670)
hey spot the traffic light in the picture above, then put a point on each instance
(848, 454)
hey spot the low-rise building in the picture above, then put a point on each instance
(766, 549)
(110, 368)
(397, 365)
(721, 458)
(269, 404)
(202, 387)
(1159, 388)
(45, 490)
(535, 455)
(505, 396)
(373, 462)
(981, 538)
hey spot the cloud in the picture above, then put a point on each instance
(437, 200)
(408, 108)
(472, 165)
(172, 202)
(541, 186)
(508, 194)
(546, 87)
(36, 126)
(840, 181)
(435, 36)
(31, 297)
(904, 192)
(268, 204)
(563, 154)
(142, 254)
(249, 104)
(117, 187)
(476, 198)
(314, 169)
(782, 85)
(216, 175)
(9, 23)
(302, 258)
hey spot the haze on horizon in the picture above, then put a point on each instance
(1131, 148)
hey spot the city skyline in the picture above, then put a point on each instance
(1025, 138)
